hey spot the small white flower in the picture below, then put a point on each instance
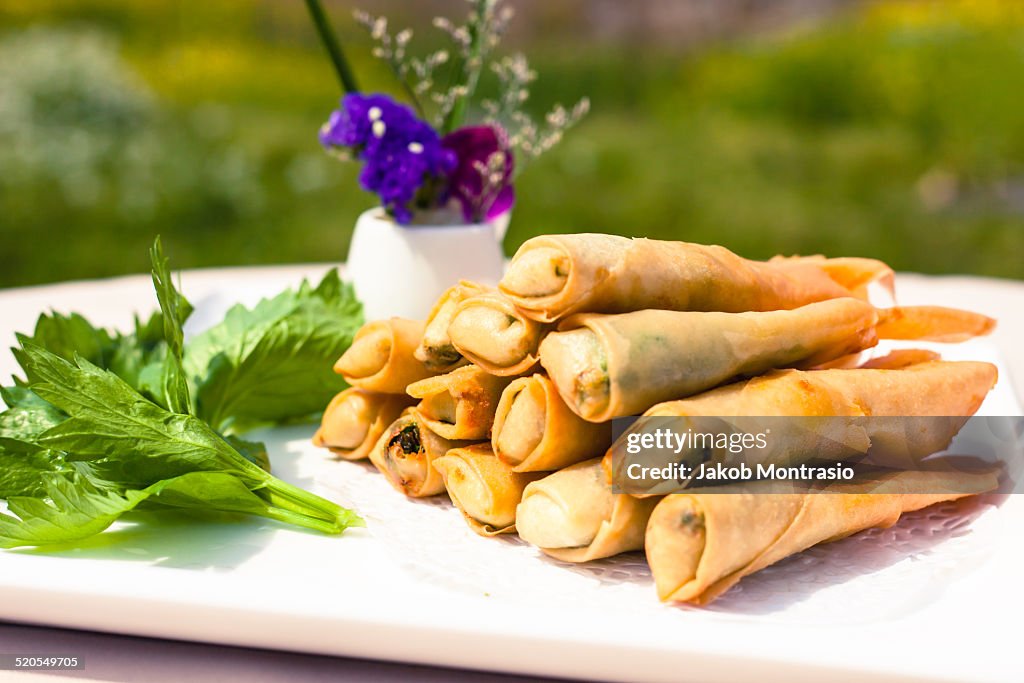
(379, 128)
(415, 147)
(374, 113)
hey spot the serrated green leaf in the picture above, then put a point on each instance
(68, 335)
(272, 364)
(23, 466)
(28, 415)
(134, 443)
(75, 509)
(175, 310)
(109, 420)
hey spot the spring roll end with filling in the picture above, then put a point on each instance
(485, 490)
(679, 544)
(346, 420)
(460, 404)
(405, 455)
(355, 419)
(381, 359)
(520, 422)
(534, 430)
(537, 271)
(575, 361)
(436, 350)
(488, 330)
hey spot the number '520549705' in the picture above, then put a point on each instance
(45, 662)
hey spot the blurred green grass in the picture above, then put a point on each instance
(895, 131)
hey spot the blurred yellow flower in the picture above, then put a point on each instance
(925, 13)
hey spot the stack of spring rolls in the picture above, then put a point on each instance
(503, 398)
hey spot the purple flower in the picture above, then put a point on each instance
(482, 178)
(401, 153)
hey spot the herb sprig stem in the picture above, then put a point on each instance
(472, 65)
(323, 28)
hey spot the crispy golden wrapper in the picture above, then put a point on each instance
(405, 454)
(484, 489)
(553, 276)
(461, 403)
(701, 544)
(492, 333)
(380, 358)
(535, 431)
(572, 515)
(355, 419)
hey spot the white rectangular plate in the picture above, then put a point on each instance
(934, 598)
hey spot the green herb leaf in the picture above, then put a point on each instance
(137, 358)
(174, 309)
(105, 423)
(108, 418)
(28, 416)
(76, 509)
(272, 364)
(68, 335)
(253, 451)
(134, 443)
(23, 466)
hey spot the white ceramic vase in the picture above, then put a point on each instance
(401, 270)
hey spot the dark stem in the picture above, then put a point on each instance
(327, 37)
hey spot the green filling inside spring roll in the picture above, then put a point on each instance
(579, 364)
(436, 350)
(494, 336)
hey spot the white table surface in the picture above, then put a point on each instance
(112, 302)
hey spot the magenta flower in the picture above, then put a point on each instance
(482, 179)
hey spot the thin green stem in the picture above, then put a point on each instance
(472, 67)
(333, 47)
(409, 91)
(304, 521)
(294, 499)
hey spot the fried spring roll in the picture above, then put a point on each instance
(489, 331)
(929, 400)
(608, 366)
(900, 358)
(436, 350)
(355, 419)
(933, 388)
(485, 490)
(534, 430)
(380, 358)
(405, 454)
(932, 323)
(553, 276)
(460, 404)
(894, 360)
(701, 544)
(573, 515)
